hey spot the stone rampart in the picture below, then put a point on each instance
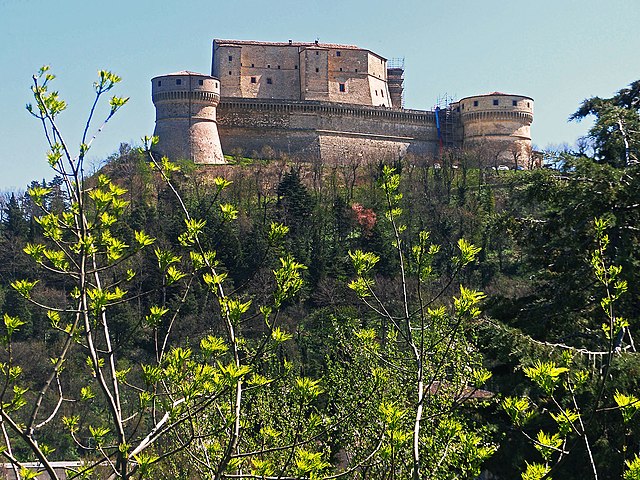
(326, 129)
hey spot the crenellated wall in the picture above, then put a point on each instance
(326, 129)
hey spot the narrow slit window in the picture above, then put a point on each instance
(343, 87)
(269, 81)
(179, 81)
(159, 83)
(338, 53)
(317, 69)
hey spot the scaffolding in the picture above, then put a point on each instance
(395, 81)
(446, 117)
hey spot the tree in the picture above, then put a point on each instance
(616, 131)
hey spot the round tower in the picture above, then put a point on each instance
(186, 116)
(498, 125)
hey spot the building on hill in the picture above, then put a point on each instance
(325, 102)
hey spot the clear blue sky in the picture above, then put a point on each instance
(556, 51)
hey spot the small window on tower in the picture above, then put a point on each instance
(496, 102)
(200, 82)
(317, 53)
(317, 69)
(343, 87)
(252, 65)
(340, 68)
(269, 81)
(268, 66)
(528, 105)
(159, 83)
(475, 103)
(376, 93)
(296, 67)
(229, 72)
(179, 81)
(278, 67)
(382, 93)
(253, 79)
(338, 53)
(230, 58)
(356, 70)
(514, 103)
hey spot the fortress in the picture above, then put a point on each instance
(325, 102)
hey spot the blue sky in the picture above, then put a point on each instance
(556, 51)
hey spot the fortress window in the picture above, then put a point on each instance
(338, 53)
(268, 66)
(356, 70)
(200, 82)
(514, 103)
(528, 105)
(159, 83)
(230, 58)
(343, 87)
(278, 67)
(496, 102)
(317, 52)
(179, 81)
(475, 103)
(317, 69)
(252, 65)
(253, 79)
(376, 93)
(382, 93)
(229, 72)
(269, 81)
(296, 67)
(340, 68)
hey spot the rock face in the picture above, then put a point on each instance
(324, 102)
(186, 123)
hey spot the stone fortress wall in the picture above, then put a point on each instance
(186, 123)
(327, 102)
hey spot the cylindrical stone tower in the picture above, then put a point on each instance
(186, 116)
(500, 125)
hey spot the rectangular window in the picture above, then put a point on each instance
(253, 79)
(338, 53)
(230, 58)
(268, 66)
(229, 72)
(356, 70)
(179, 81)
(200, 82)
(278, 67)
(296, 67)
(252, 65)
(514, 103)
(340, 68)
(475, 103)
(317, 69)
(343, 87)
(495, 102)
(528, 105)
(159, 83)
(269, 81)
(317, 52)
